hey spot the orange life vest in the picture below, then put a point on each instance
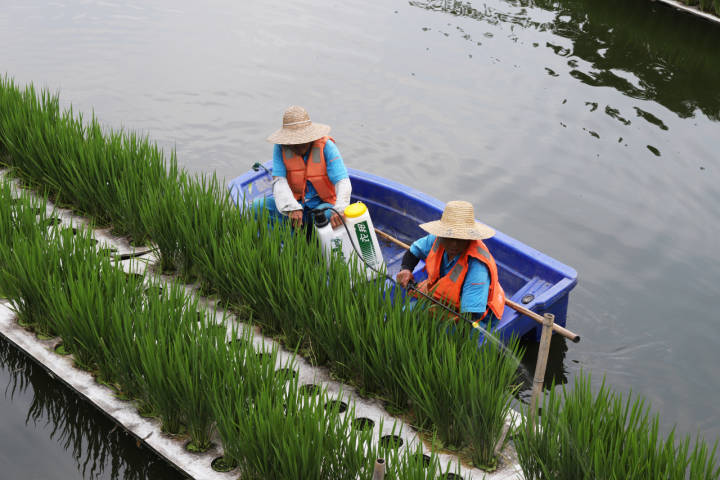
(449, 287)
(315, 172)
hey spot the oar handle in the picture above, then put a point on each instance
(392, 239)
(515, 306)
(556, 328)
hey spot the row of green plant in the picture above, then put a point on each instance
(711, 6)
(152, 346)
(601, 435)
(437, 378)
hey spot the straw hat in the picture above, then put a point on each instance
(297, 128)
(458, 221)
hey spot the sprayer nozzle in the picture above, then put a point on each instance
(256, 166)
(319, 218)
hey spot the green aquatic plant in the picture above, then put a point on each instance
(153, 347)
(488, 379)
(98, 172)
(357, 331)
(120, 350)
(162, 218)
(410, 463)
(168, 341)
(21, 219)
(183, 220)
(586, 434)
(331, 314)
(240, 265)
(460, 391)
(705, 5)
(86, 292)
(291, 435)
(234, 387)
(21, 216)
(26, 271)
(195, 360)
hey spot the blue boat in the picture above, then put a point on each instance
(529, 277)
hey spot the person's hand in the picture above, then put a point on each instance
(296, 218)
(403, 277)
(335, 219)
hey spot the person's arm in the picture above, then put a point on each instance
(343, 190)
(409, 261)
(338, 176)
(418, 251)
(475, 289)
(408, 264)
(284, 198)
(334, 163)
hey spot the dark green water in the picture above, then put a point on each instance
(49, 432)
(588, 130)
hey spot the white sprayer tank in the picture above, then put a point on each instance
(362, 235)
(334, 241)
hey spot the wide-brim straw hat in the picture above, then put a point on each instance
(297, 128)
(458, 221)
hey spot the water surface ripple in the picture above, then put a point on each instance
(588, 130)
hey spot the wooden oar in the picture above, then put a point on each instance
(556, 328)
(515, 306)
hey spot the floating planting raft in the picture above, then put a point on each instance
(151, 347)
(145, 351)
(440, 381)
(709, 9)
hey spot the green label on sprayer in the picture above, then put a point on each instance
(337, 247)
(365, 242)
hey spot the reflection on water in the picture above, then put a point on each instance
(555, 373)
(514, 13)
(668, 66)
(96, 447)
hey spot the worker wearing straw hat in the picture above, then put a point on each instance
(461, 271)
(308, 171)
